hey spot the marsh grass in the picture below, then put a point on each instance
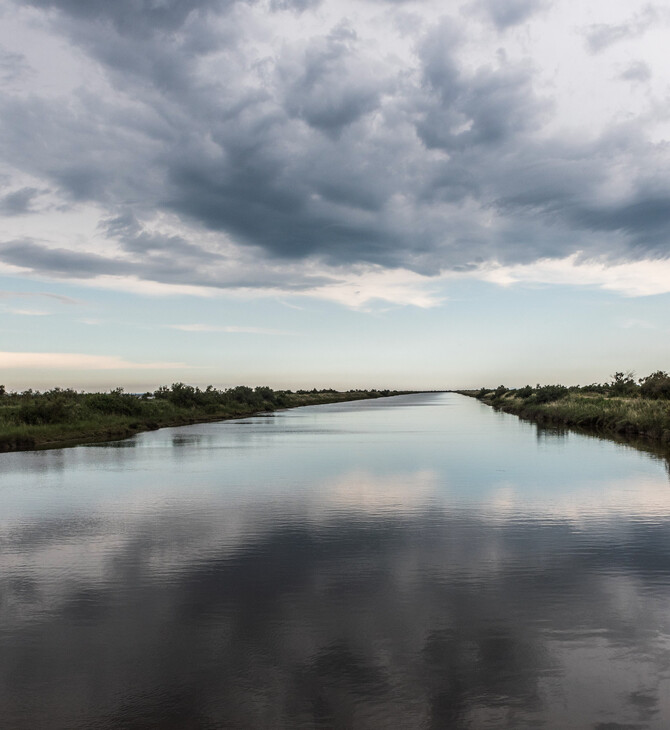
(60, 417)
(633, 416)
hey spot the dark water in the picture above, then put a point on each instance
(413, 562)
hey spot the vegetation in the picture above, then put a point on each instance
(621, 406)
(61, 417)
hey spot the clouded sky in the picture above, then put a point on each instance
(348, 193)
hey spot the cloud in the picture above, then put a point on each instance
(330, 84)
(634, 323)
(25, 294)
(288, 147)
(633, 279)
(372, 285)
(18, 202)
(507, 13)
(600, 36)
(32, 311)
(29, 312)
(77, 361)
(133, 17)
(13, 66)
(59, 261)
(232, 329)
(637, 72)
(416, 595)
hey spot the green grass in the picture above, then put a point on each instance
(630, 416)
(64, 417)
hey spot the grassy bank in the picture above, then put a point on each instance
(33, 420)
(623, 407)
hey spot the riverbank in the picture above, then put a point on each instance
(62, 418)
(617, 417)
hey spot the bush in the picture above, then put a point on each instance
(115, 402)
(656, 386)
(42, 412)
(524, 392)
(623, 384)
(595, 388)
(550, 393)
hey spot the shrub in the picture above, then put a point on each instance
(550, 393)
(595, 388)
(656, 386)
(623, 384)
(115, 402)
(42, 412)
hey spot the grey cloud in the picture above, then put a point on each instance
(128, 231)
(489, 106)
(463, 111)
(13, 66)
(496, 106)
(507, 13)
(565, 193)
(296, 5)
(153, 257)
(18, 202)
(262, 212)
(637, 72)
(58, 261)
(78, 146)
(329, 86)
(133, 17)
(602, 35)
(319, 152)
(646, 220)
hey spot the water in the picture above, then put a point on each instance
(412, 562)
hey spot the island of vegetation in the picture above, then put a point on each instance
(624, 406)
(65, 417)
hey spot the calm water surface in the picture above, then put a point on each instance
(412, 562)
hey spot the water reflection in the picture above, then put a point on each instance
(362, 596)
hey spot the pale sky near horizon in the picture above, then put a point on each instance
(321, 193)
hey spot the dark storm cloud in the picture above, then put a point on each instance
(320, 148)
(329, 86)
(488, 108)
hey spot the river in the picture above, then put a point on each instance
(417, 561)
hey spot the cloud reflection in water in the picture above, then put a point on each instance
(364, 598)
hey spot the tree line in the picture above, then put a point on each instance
(622, 385)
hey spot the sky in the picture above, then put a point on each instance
(333, 193)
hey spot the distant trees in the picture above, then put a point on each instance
(622, 385)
